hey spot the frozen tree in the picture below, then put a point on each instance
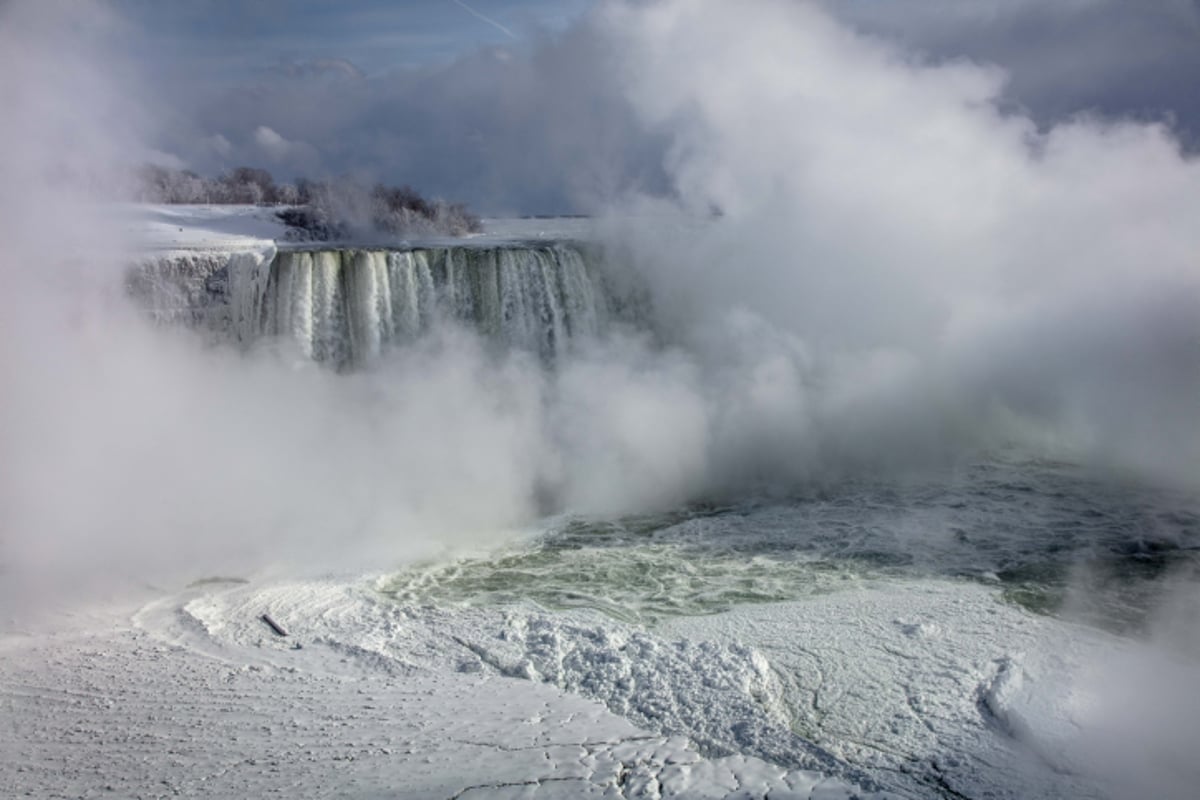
(321, 210)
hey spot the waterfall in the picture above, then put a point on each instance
(346, 307)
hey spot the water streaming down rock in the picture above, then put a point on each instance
(346, 307)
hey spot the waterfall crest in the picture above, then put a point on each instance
(345, 307)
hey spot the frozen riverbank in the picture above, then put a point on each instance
(919, 689)
(156, 704)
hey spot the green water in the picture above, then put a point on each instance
(1055, 541)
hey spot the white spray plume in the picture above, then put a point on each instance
(940, 263)
(133, 453)
(895, 269)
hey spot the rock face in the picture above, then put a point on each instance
(187, 288)
(344, 307)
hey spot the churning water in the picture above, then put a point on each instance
(1058, 539)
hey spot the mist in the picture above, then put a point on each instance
(912, 237)
(904, 279)
(135, 454)
(861, 261)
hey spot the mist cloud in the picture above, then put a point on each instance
(859, 260)
(886, 210)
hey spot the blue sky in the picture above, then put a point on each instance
(515, 105)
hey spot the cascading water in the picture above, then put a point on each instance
(346, 307)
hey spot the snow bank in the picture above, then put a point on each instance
(723, 697)
(202, 227)
(1130, 717)
(194, 696)
(900, 678)
(187, 228)
(911, 689)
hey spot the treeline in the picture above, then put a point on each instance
(241, 186)
(321, 210)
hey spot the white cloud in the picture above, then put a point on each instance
(220, 145)
(271, 143)
(284, 152)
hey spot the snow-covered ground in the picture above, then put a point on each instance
(910, 689)
(194, 696)
(164, 228)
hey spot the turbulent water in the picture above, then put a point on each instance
(1057, 539)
